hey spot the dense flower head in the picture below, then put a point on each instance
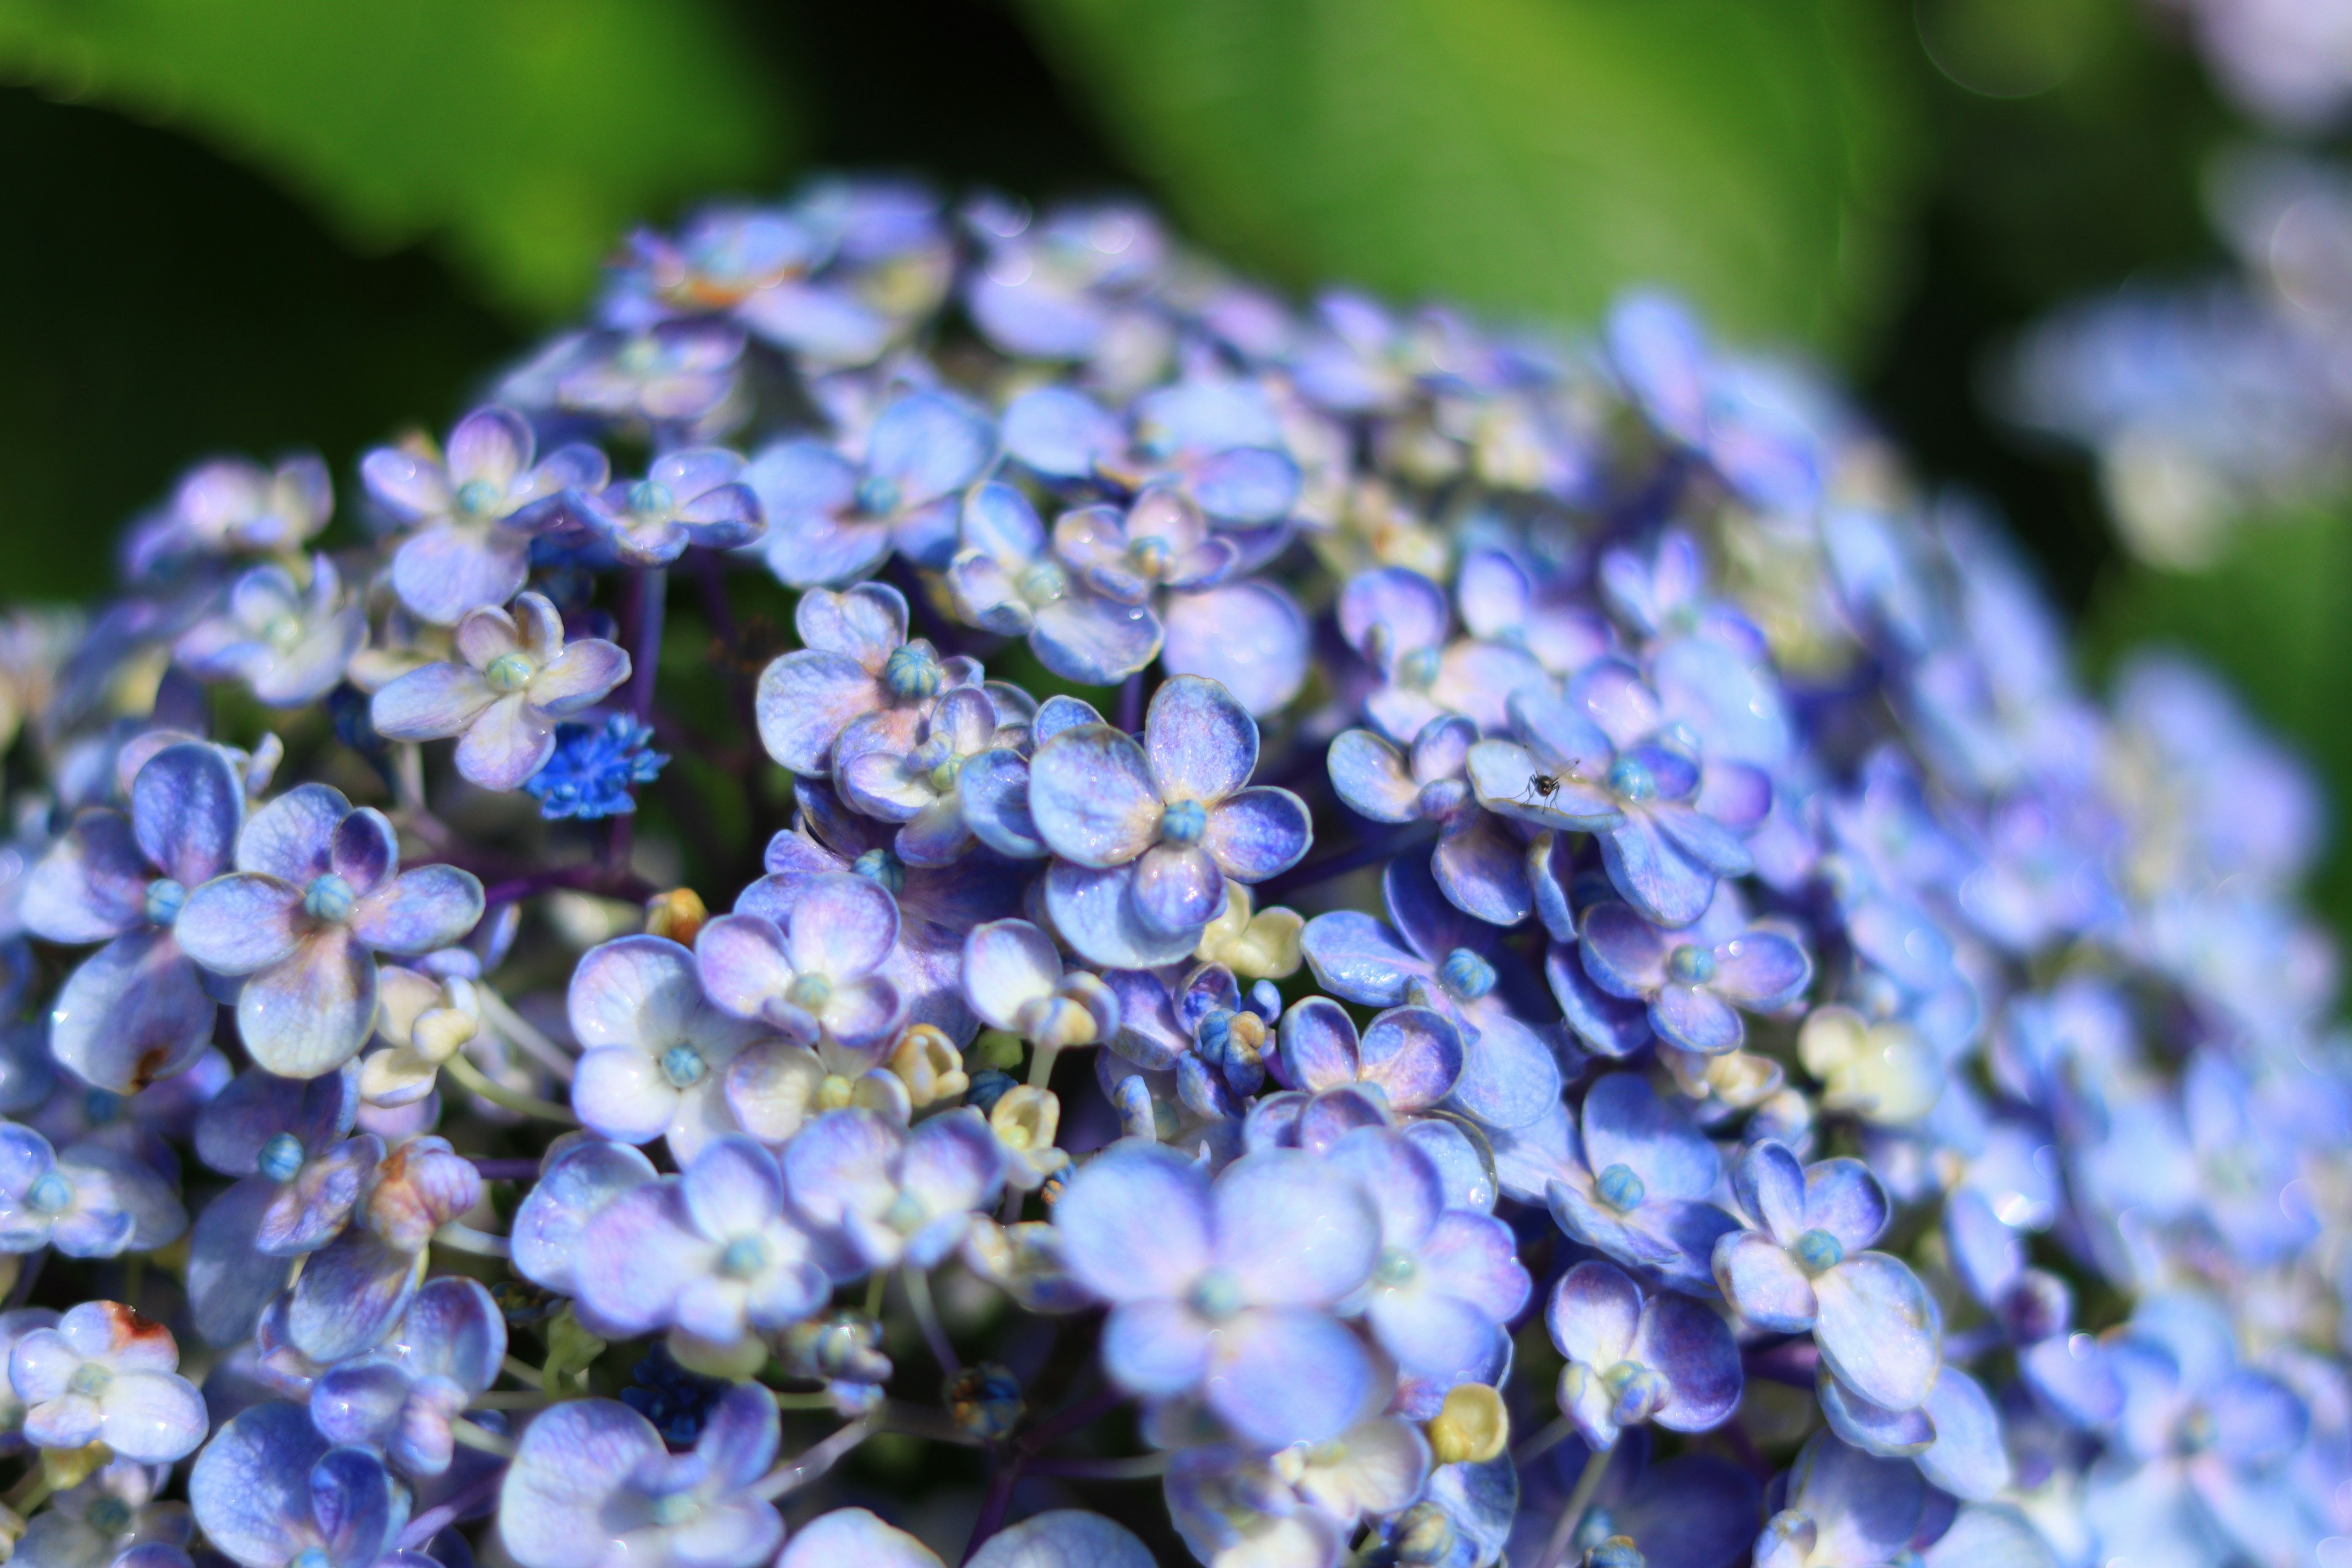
(1462, 947)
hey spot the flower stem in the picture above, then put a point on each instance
(466, 1238)
(653, 583)
(425, 1526)
(525, 1035)
(481, 1438)
(916, 1283)
(475, 1081)
(1563, 1534)
(1141, 1468)
(814, 1462)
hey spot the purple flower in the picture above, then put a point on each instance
(1219, 441)
(1598, 761)
(855, 661)
(712, 1251)
(472, 511)
(289, 644)
(1007, 580)
(1669, 1359)
(1844, 1509)
(113, 1518)
(1636, 1184)
(137, 1010)
(922, 788)
(351, 1293)
(517, 681)
(2035, 1309)
(234, 505)
(1734, 417)
(1160, 542)
(92, 1201)
(269, 1492)
(1408, 1058)
(1228, 1287)
(1015, 982)
(1435, 956)
(591, 1486)
(680, 376)
(1803, 1267)
(1501, 605)
(1694, 980)
(1481, 868)
(833, 519)
(317, 893)
(1446, 1283)
(1144, 835)
(287, 1134)
(400, 1399)
(1398, 620)
(882, 1196)
(852, 1538)
(106, 1374)
(1065, 288)
(1693, 1511)
(576, 1180)
(809, 974)
(695, 497)
(1712, 667)
(656, 1048)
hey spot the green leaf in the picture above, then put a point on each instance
(1529, 156)
(524, 134)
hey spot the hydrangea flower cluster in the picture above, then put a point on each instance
(1447, 947)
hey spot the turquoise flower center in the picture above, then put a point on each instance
(906, 1214)
(745, 1256)
(1216, 1294)
(281, 1157)
(1639, 1390)
(1043, 582)
(878, 494)
(1152, 556)
(1691, 964)
(1631, 779)
(165, 899)
(1818, 1250)
(1183, 822)
(1620, 1189)
(1418, 669)
(108, 1516)
(311, 1557)
(90, 1379)
(49, 1194)
(1617, 1551)
(1465, 975)
(651, 497)
(883, 866)
(912, 673)
(282, 631)
(1396, 1267)
(328, 898)
(809, 992)
(477, 497)
(674, 1508)
(684, 1066)
(509, 673)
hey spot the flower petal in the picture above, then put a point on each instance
(1201, 744)
(1878, 1330)
(431, 703)
(1764, 1283)
(1092, 795)
(1258, 833)
(1135, 1223)
(311, 1011)
(1290, 1376)
(1251, 637)
(422, 911)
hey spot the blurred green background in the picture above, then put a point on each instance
(259, 224)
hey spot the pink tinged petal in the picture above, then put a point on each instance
(1765, 1283)
(641, 992)
(734, 1187)
(1878, 1330)
(701, 1115)
(403, 485)
(1990, 1537)
(1094, 640)
(1479, 679)
(1201, 743)
(741, 963)
(240, 924)
(555, 1506)
(1293, 1230)
(806, 700)
(1967, 1458)
(1612, 694)
(582, 674)
(1770, 1185)
(1066, 1538)
(152, 1417)
(186, 807)
(771, 1088)
(132, 1013)
(1092, 798)
(68, 1421)
(291, 836)
(620, 1093)
(842, 1159)
(1258, 833)
(507, 743)
(1412, 606)
(1290, 1376)
(1475, 1258)
(1136, 1223)
(493, 443)
(91, 885)
(1697, 1020)
(420, 912)
(1414, 1053)
(1406, 1193)
(1370, 775)
(1094, 912)
(547, 1227)
(1687, 1343)
(841, 927)
(445, 571)
(1156, 1348)
(41, 1366)
(1177, 888)
(431, 703)
(1317, 1046)
(863, 624)
(488, 634)
(1843, 1197)
(1592, 1314)
(1006, 965)
(1250, 638)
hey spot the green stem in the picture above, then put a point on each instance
(1563, 1534)
(473, 1079)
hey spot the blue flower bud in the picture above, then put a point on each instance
(1465, 975)
(1620, 1189)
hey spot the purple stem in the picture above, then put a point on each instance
(585, 878)
(491, 1170)
(1373, 853)
(1070, 1418)
(997, 1504)
(644, 653)
(1791, 1362)
(433, 1520)
(1130, 704)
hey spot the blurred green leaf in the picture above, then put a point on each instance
(523, 134)
(1526, 155)
(2271, 617)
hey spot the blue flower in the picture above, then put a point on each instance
(1634, 1183)
(400, 1400)
(833, 519)
(596, 769)
(1667, 1359)
(270, 1492)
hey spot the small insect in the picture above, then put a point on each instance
(1544, 784)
